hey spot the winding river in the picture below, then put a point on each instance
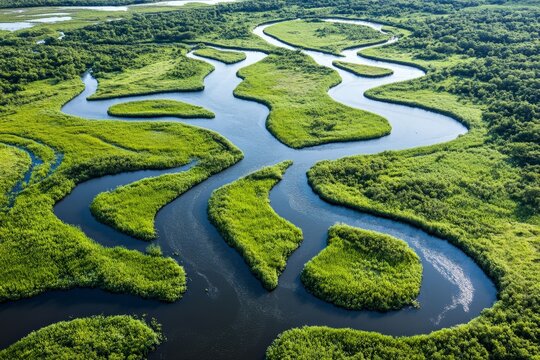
(226, 313)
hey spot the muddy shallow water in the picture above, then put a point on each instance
(225, 312)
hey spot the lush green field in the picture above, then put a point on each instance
(43, 152)
(363, 70)
(361, 269)
(157, 108)
(242, 213)
(167, 69)
(228, 57)
(324, 36)
(114, 337)
(301, 111)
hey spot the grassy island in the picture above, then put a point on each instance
(362, 269)
(480, 191)
(362, 70)
(157, 108)
(99, 337)
(242, 213)
(164, 70)
(301, 111)
(225, 56)
(332, 37)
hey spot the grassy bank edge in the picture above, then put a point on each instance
(375, 298)
(118, 336)
(269, 275)
(188, 112)
(344, 66)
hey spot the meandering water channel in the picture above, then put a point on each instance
(226, 313)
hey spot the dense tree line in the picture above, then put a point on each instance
(232, 20)
(501, 70)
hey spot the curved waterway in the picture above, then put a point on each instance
(225, 312)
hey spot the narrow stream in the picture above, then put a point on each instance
(226, 313)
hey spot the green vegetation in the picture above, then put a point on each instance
(462, 192)
(228, 25)
(301, 111)
(477, 191)
(324, 36)
(362, 70)
(167, 70)
(242, 213)
(228, 57)
(132, 208)
(38, 251)
(13, 165)
(480, 192)
(154, 250)
(156, 108)
(59, 62)
(46, 157)
(362, 269)
(98, 337)
(24, 3)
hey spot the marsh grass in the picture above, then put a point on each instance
(242, 213)
(167, 69)
(361, 269)
(301, 111)
(113, 337)
(157, 108)
(460, 191)
(132, 208)
(363, 70)
(227, 57)
(14, 163)
(37, 250)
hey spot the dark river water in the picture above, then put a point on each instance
(226, 313)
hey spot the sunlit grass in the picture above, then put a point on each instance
(459, 191)
(13, 165)
(363, 70)
(132, 208)
(37, 250)
(228, 57)
(113, 337)
(157, 108)
(167, 70)
(242, 213)
(361, 269)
